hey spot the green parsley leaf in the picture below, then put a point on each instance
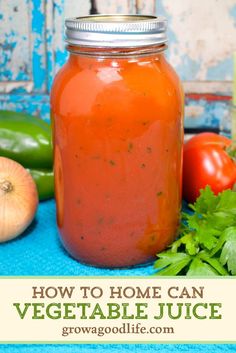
(220, 220)
(214, 263)
(228, 254)
(168, 258)
(207, 238)
(200, 268)
(206, 202)
(189, 240)
(176, 263)
(227, 202)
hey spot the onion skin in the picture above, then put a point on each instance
(18, 199)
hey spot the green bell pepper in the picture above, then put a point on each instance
(44, 180)
(26, 139)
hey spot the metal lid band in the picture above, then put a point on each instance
(116, 31)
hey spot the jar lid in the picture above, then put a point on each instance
(116, 31)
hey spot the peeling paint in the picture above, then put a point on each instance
(38, 45)
(202, 37)
(145, 7)
(60, 13)
(221, 69)
(14, 50)
(194, 111)
(33, 104)
(232, 13)
(214, 87)
(113, 6)
(50, 44)
(204, 113)
(8, 87)
(201, 42)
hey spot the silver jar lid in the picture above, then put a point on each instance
(116, 31)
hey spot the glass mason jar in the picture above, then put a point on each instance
(117, 114)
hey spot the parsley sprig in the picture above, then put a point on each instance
(207, 242)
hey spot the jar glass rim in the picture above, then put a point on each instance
(112, 52)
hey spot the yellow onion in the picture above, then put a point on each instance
(18, 199)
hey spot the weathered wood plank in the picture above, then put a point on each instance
(145, 7)
(114, 6)
(213, 87)
(38, 44)
(74, 8)
(201, 37)
(49, 13)
(15, 64)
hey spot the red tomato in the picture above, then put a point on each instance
(206, 162)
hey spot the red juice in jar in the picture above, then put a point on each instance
(117, 113)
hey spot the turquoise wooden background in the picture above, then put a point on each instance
(202, 40)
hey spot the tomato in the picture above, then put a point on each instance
(206, 162)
